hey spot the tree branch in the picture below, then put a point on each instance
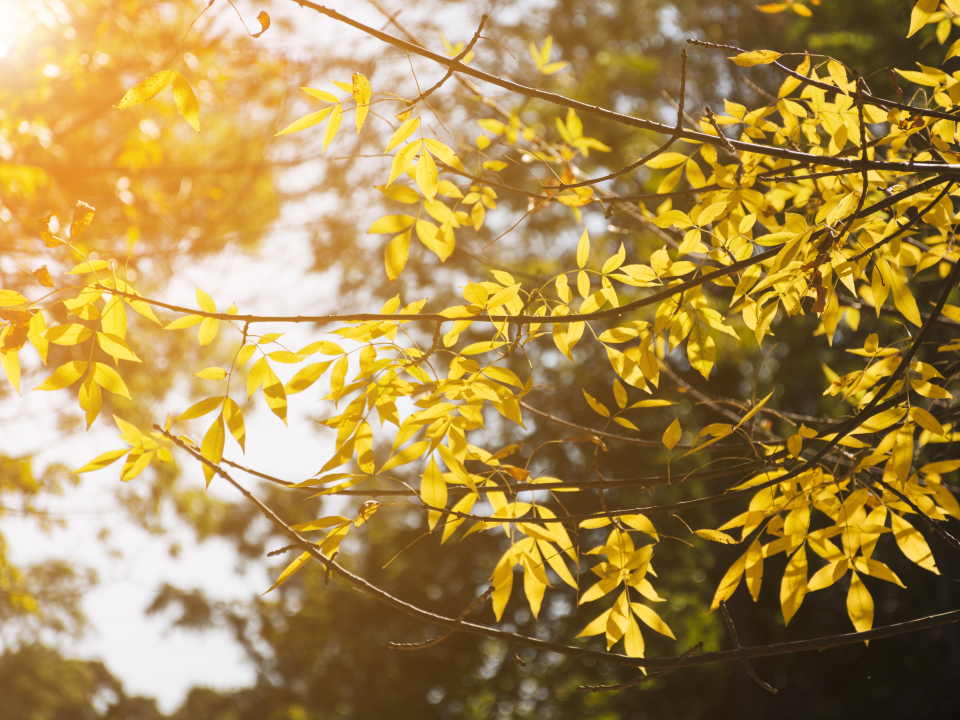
(655, 663)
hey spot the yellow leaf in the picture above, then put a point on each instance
(116, 347)
(641, 523)
(633, 639)
(913, 544)
(392, 224)
(828, 575)
(794, 445)
(11, 367)
(671, 435)
(921, 13)
(597, 626)
(729, 583)
(186, 101)
(212, 446)
(145, 90)
(208, 330)
(89, 267)
(274, 393)
(113, 320)
(652, 620)
(859, 604)
(321, 94)
(756, 57)
(619, 394)
(711, 213)
(306, 377)
(9, 298)
(234, 420)
(427, 177)
(129, 432)
(755, 409)
(136, 463)
(715, 536)
(362, 93)
(667, 160)
(793, 588)
(838, 74)
(405, 131)
(927, 421)
(875, 568)
(64, 376)
(754, 569)
(185, 322)
(333, 124)
(321, 523)
(90, 399)
(433, 491)
(211, 373)
(402, 160)
(108, 379)
(443, 153)
(101, 461)
(673, 217)
(264, 24)
(401, 193)
(201, 408)
(290, 570)
(502, 584)
(701, 351)
(72, 334)
(597, 406)
(307, 121)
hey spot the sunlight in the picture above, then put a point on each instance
(18, 19)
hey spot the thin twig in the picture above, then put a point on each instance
(449, 631)
(712, 119)
(426, 93)
(647, 158)
(736, 643)
(934, 525)
(585, 108)
(655, 663)
(642, 679)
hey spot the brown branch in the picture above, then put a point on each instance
(934, 525)
(621, 118)
(602, 434)
(881, 102)
(449, 631)
(736, 643)
(526, 319)
(656, 663)
(712, 119)
(647, 158)
(639, 482)
(476, 36)
(903, 228)
(642, 679)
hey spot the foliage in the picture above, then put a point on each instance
(824, 209)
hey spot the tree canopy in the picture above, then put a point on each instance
(579, 333)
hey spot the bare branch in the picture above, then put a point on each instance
(736, 643)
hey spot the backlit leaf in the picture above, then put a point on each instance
(145, 90)
(186, 101)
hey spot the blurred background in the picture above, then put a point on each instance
(142, 601)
